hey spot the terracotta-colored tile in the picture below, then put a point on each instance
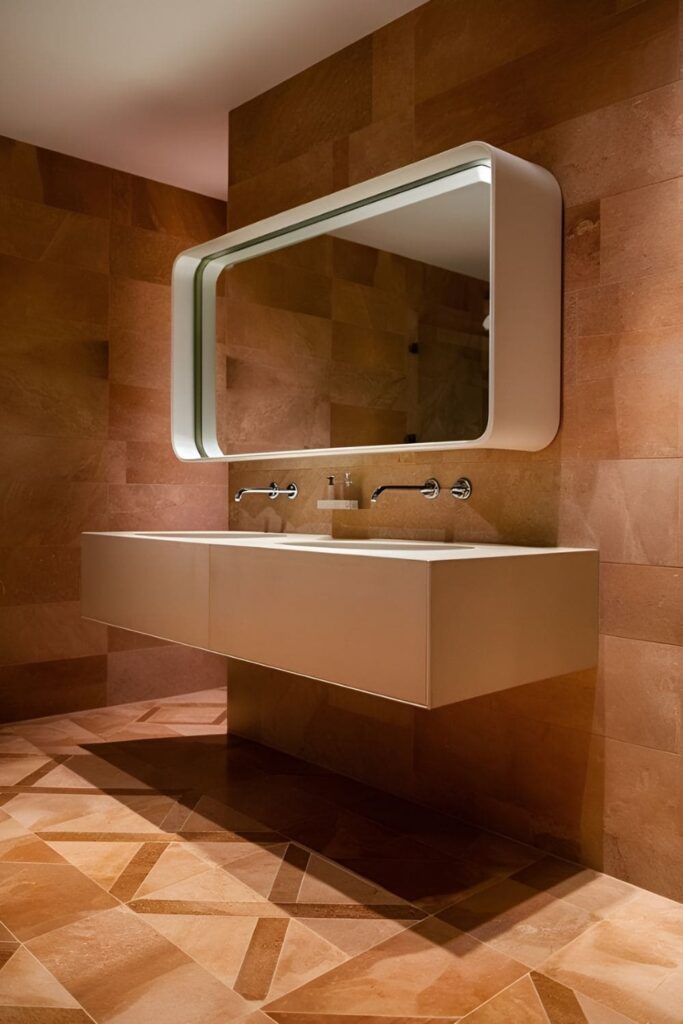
(304, 177)
(381, 146)
(89, 957)
(452, 47)
(52, 686)
(100, 861)
(49, 573)
(641, 232)
(15, 768)
(45, 512)
(155, 671)
(19, 846)
(639, 695)
(152, 462)
(138, 413)
(48, 632)
(519, 920)
(38, 898)
(55, 179)
(303, 956)
(518, 1004)
(217, 943)
(36, 232)
(342, 87)
(528, 94)
(627, 418)
(25, 982)
(430, 969)
(393, 49)
(64, 293)
(647, 304)
(144, 255)
(630, 963)
(593, 892)
(648, 819)
(354, 1018)
(34, 400)
(582, 246)
(609, 505)
(67, 459)
(142, 203)
(44, 1015)
(632, 354)
(564, 1006)
(181, 876)
(354, 936)
(612, 149)
(51, 814)
(642, 602)
(140, 360)
(167, 507)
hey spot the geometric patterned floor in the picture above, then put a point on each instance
(154, 870)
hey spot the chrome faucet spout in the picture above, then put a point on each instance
(272, 490)
(429, 489)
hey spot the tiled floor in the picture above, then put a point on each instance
(151, 871)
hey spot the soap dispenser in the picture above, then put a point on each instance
(349, 489)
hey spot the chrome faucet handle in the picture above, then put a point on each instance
(272, 490)
(429, 489)
(462, 488)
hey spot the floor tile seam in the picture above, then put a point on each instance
(574, 989)
(496, 995)
(537, 967)
(31, 953)
(399, 900)
(152, 929)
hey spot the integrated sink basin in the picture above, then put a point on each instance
(372, 545)
(421, 622)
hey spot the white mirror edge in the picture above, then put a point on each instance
(525, 313)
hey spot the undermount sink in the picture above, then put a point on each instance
(421, 622)
(374, 545)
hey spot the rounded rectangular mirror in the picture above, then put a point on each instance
(368, 320)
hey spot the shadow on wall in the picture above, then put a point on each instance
(536, 776)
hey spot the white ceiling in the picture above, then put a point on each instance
(145, 85)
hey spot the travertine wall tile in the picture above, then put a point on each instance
(85, 261)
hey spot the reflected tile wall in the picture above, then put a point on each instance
(586, 765)
(85, 259)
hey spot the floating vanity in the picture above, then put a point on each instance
(424, 623)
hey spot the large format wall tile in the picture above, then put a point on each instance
(85, 264)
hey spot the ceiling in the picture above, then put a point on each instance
(145, 85)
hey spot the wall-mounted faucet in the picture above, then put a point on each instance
(272, 490)
(430, 489)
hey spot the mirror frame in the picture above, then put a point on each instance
(525, 226)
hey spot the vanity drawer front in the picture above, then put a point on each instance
(368, 630)
(160, 588)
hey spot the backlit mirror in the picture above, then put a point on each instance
(363, 321)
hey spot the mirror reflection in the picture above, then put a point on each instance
(374, 334)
